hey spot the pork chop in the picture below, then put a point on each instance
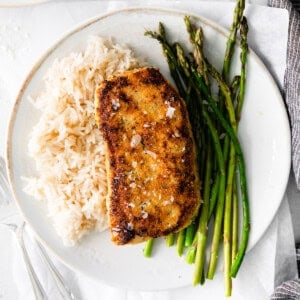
(153, 181)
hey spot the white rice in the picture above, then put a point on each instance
(65, 143)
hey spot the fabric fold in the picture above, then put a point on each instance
(290, 290)
(292, 80)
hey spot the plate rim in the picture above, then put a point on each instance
(77, 28)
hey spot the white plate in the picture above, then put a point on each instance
(264, 133)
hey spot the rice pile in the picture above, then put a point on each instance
(65, 143)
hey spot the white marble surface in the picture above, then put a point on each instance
(26, 32)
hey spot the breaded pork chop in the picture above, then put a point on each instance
(151, 158)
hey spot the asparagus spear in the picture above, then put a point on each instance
(148, 247)
(180, 242)
(189, 235)
(238, 13)
(246, 212)
(230, 175)
(235, 221)
(196, 37)
(170, 239)
(243, 58)
(234, 86)
(202, 227)
(213, 195)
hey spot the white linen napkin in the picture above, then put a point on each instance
(292, 80)
(267, 36)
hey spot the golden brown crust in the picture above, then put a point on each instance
(152, 173)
